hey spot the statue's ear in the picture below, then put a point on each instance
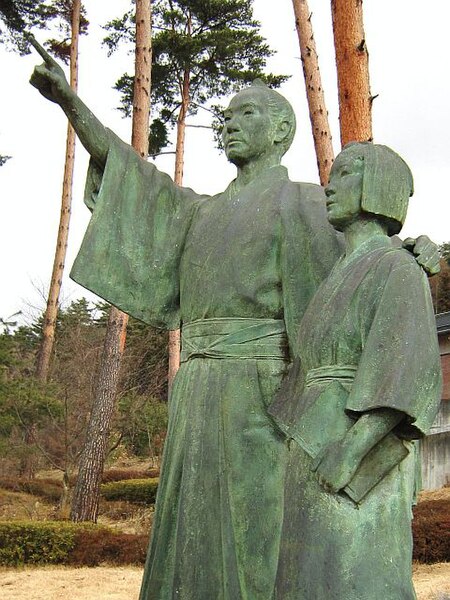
(282, 132)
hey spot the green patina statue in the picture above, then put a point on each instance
(237, 271)
(367, 382)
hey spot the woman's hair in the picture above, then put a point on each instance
(387, 182)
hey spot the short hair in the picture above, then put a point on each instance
(387, 182)
(279, 110)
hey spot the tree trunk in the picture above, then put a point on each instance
(142, 78)
(86, 495)
(352, 61)
(181, 129)
(48, 330)
(174, 336)
(64, 501)
(174, 350)
(87, 490)
(318, 113)
(28, 462)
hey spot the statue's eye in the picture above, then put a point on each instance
(345, 172)
(249, 111)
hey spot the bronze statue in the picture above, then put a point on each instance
(367, 382)
(237, 271)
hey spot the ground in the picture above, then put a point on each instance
(122, 583)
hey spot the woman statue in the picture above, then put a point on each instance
(367, 383)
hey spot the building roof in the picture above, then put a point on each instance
(443, 322)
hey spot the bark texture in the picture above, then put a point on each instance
(314, 91)
(352, 61)
(181, 129)
(87, 490)
(51, 312)
(142, 79)
(86, 496)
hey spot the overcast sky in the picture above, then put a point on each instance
(409, 55)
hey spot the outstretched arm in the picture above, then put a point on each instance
(50, 80)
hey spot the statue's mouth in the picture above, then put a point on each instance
(233, 141)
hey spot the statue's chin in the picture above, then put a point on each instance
(338, 224)
(235, 159)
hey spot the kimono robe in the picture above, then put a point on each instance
(370, 327)
(237, 271)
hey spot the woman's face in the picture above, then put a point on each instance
(344, 190)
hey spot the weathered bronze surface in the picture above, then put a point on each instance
(231, 270)
(237, 271)
(367, 382)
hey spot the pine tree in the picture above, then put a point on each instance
(444, 251)
(20, 16)
(314, 91)
(440, 283)
(86, 496)
(352, 62)
(17, 16)
(70, 11)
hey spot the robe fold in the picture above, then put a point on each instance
(169, 256)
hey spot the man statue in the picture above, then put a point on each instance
(236, 271)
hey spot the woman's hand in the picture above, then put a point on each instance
(336, 467)
(339, 462)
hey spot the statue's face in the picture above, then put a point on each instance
(248, 131)
(344, 190)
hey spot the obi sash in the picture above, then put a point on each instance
(345, 374)
(236, 338)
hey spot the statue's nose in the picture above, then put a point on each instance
(232, 125)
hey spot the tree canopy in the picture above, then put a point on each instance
(216, 42)
(19, 16)
(440, 283)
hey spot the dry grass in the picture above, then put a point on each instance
(59, 583)
(120, 516)
(122, 583)
(442, 494)
(126, 517)
(432, 582)
(18, 506)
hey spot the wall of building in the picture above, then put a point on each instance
(445, 361)
(435, 448)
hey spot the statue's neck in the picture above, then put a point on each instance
(360, 231)
(255, 169)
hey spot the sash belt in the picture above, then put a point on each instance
(237, 338)
(342, 373)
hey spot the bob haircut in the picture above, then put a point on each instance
(387, 182)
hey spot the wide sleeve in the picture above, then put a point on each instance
(399, 366)
(131, 252)
(309, 249)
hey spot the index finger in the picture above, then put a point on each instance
(40, 49)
